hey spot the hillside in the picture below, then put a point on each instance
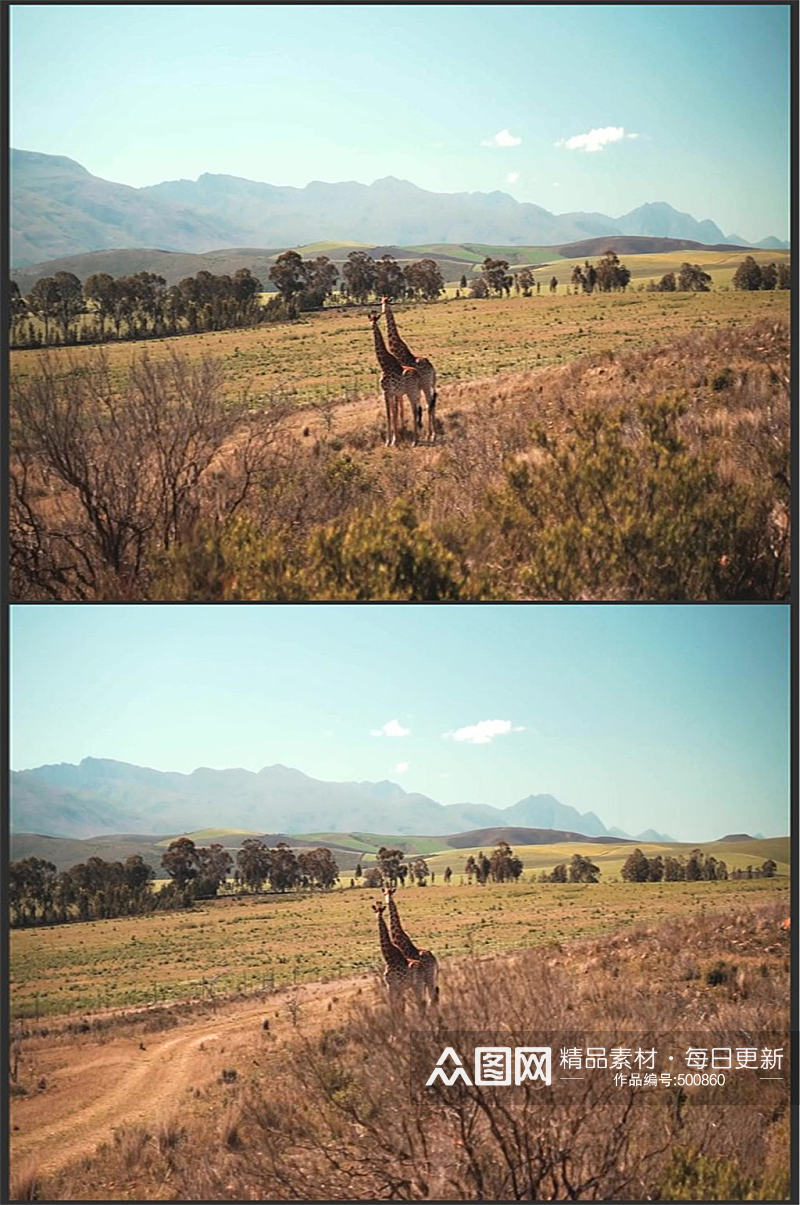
(58, 209)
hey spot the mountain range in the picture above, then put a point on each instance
(100, 797)
(58, 208)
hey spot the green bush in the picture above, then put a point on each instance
(621, 508)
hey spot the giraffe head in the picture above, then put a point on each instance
(374, 318)
(388, 892)
(379, 908)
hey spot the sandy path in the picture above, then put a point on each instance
(94, 1085)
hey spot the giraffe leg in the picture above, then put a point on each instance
(389, 400)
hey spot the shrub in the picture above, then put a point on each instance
(621, 508)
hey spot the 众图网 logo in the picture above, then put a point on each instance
(494, 1066)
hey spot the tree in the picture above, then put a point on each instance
(577, 278)
(769, 276)
(769, 869)
(389, 863)
(419, 871)
(692, 279)
(318, 867)
(284, 872)
(559, 873)
(784, 275)
(748, 275)
(526, 281)
(181, 861)
(479, 288)
(655, 869)
(463, 281)
(553, 284)
(694, 866)
(100, 289)
(674, 869)
(43, 301)
(495, 274)
(322, 276)
(372, 877)
(667, 283)
(448, 874)
(611, 274)
(214, 864)
(636, 868)
(423, 279)
(17, 307)
(581, 870)
(589, 277)
(470, 868)
(136, 873)
(69, 300)
(253, 862)
(358, 275)
(390, 280)
(289, 275)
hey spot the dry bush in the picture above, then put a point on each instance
(101, 480)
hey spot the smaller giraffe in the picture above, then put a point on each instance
(401, 974)
(427, 373)
(396, 383)
(428, 963)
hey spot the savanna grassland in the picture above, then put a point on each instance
(246, 943)
(615, 446)
(315, 1090)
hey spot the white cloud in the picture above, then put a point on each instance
(391, 728)
(502, 138)
(512, 177)
(401, 767)
(595, 140)
(483, 732)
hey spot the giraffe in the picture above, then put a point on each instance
(400, 974)
(396, 382)
(429, 965)
(427, 373)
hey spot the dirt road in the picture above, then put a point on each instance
(80, 1088)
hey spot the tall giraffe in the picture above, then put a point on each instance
(428, 963)
(427, 373)
(396, 383)
(400, 974)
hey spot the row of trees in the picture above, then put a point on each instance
(99, 889)
(607, 276)
(690, 279)
(502, 867)
(95, 889)
(285, 870)
(697, 867)
(752, 276)
(130, 307)
(580, 870)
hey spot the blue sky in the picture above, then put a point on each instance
(572, 107)
(652, 716)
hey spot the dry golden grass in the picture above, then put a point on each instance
(337, 1108)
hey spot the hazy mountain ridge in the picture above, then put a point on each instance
(58, 208)
(100, 797)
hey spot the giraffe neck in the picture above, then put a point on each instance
(399, 936)
(398, 347)
(393, 957)
(385, 358)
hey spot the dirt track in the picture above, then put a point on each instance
(81, 1088)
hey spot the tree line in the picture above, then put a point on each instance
(698, 867)
(141, 306)
(98, 889)
(752, 276)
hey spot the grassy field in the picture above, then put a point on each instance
(328, 357)
(247, 943)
